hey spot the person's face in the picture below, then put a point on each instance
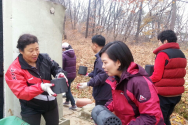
(31, 53)
(94, 47)
(160, 43)
(109, 66)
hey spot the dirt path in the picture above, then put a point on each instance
(75, 118)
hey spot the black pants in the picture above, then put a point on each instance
(1, 98)
(69, 96)
(167, 105)
(51, 118)
(100, 102)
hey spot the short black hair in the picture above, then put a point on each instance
(25, 40)
(99, 40)
(118, 50)
(168, 35)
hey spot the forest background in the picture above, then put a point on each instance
(135, 22)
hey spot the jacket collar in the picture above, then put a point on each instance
(166, 46)
(132, 71)
(25, 65)
(97, 55)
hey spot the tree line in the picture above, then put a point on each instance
(134, 20)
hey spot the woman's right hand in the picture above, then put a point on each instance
(46, 87)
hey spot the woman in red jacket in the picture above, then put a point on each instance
(134, 98)
(29, 77)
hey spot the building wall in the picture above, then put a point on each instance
(33, 17)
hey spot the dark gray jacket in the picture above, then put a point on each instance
(101, 90)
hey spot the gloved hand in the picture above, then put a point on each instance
(87, 74)
(82, 85)
(62, 75)
(46, 87)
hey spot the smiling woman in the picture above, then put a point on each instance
(29, 78)
(30, 49)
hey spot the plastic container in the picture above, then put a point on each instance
(82, 70)
(83, 101)
(12, 120)
(102, 116)
(60, 85)
(149, 69)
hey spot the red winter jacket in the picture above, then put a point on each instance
(169, 70)
(134, 98)
(25, 82)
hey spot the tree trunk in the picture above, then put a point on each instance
(64, 34)
(87, 24)
(70, 14)
(173, 18)
(95, 7)
(139, 23)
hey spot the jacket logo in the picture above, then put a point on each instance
(142, 98)
(12, 70)
(13, 74)
(122, 93)
(30, 78)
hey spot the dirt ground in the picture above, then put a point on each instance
(75, 117)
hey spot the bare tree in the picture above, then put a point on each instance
(173, 19)
(139, 22)
(87, 24)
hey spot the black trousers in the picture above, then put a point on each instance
(100, 102)
(1, 97)
(51, 117)
(167, 105)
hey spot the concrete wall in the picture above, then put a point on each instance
(34, 17)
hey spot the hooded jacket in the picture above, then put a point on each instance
(69, 63)
(169, 70)
(134, 98)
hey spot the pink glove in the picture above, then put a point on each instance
(87, 74)
(78, 85)
(62, 75)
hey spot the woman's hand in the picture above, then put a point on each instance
(82, 85)
(62, 75)
(46, 87)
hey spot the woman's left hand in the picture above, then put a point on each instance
(62, 75)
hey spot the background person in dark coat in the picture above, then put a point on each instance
(69, 65)
(101, 90)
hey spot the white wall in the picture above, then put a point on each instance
(34, 17)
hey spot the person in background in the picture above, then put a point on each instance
(101, 90)
(134, 97)
(69, 65)
(29, 77)
(169, 72)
